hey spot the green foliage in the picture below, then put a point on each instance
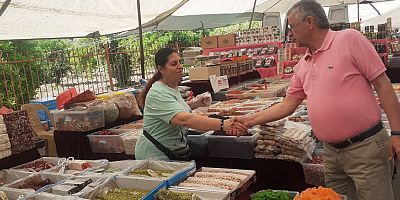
(48, 61)
(120, 65)
(20, 80)
(234, 28)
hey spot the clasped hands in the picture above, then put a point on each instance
(236, 126)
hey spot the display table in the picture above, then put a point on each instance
(199, 87)
(393, 71)
(19, 159)
(270, 173)
(77, 145)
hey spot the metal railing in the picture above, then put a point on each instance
(100, 69)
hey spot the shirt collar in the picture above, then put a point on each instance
(325, 45)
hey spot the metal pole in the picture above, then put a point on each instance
(110, 74)
(204, 30)
(252, 13)
(4, 6)
(358, 11)
(141, 40)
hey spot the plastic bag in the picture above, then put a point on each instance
(111, 112)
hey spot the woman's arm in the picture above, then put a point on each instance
(200, 122)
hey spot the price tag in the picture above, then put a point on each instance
(219, 83)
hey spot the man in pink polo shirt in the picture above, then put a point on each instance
(335, 76)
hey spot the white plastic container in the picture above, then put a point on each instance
(80, 121)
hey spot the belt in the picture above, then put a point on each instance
(360, 137)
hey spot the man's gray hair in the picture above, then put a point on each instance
(305, 8)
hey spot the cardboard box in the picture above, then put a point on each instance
(228, 40)
(209, 42)
(202, 73)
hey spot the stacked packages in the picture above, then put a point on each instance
(275, 141)
(19, 131)
(5, 145)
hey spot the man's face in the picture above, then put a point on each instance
(298, 30)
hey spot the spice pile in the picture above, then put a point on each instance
(151, 173)
(122, 194)
(36, 166)
(319, 193)
(271, 195)
(169, 195)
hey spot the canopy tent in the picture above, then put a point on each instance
(39, 19)
(198, 14)
(394, 14)
(283, 5)
(367, 12)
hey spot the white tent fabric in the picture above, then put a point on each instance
(283, 5)
(38, 19)
(367, 12)
(381, 19)
(194, 22)
(196, 14)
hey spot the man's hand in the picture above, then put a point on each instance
(394, 147)
(233, 127)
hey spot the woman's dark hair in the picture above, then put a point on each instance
(161, 59)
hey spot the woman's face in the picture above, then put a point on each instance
(173, 70)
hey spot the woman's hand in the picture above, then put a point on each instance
(201, 101)
(233, 127)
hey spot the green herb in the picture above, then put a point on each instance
(271, 195)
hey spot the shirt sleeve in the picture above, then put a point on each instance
(163, 105)
(296, 88)
(365, 57)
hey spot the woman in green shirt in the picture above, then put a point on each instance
(166, 115)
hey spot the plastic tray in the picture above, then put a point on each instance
(80, 121)
(107, 143)
(314, 173)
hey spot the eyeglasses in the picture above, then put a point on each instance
(291, 27)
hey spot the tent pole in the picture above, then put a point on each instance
(204, 30)
(358, 11)
(4, 6)
(252, 13)
(141, 40)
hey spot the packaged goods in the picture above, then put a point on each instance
(111, 112)
(135, 125)
(3, 196)
(124, 106)
(135, 107)
(84, 96)
(81, 121)
(19, 131)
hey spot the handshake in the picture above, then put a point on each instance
(236, 126)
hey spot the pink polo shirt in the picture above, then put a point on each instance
(336, 82)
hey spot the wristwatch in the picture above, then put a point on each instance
(395, 133)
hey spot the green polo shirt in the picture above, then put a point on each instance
(162, 104)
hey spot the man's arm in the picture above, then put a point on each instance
(276, 112)
(390, 104)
